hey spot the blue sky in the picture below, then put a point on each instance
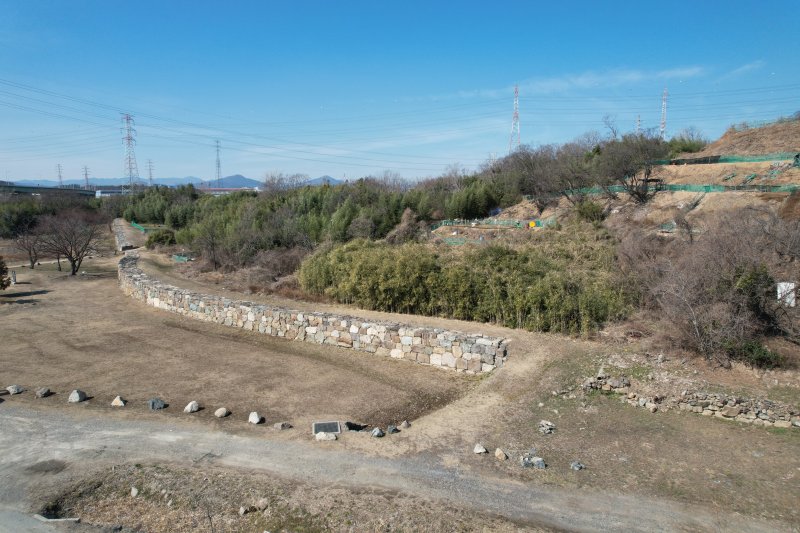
(358, 88)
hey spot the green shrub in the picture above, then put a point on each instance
(755, 354)
(590, 211)
(161, 237)
(568, 286)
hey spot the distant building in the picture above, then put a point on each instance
(99, 193)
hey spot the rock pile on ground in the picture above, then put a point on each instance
(528, 460)
(546, 427)
(725, 406)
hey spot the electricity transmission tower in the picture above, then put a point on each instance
(514, 122)
(663, 128)
(150, 171)
(129, 138)
(86, 177)
(219, 169)
(60, 180)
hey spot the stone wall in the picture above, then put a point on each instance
(118, 227)
(471, 353)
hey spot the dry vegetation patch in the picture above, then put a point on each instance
(176, 499)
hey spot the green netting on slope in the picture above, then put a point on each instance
(137, 226)
(780, 156)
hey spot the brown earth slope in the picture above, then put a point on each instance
(771, 139)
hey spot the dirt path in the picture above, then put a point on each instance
(32, 436)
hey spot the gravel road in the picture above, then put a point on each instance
(83, 441)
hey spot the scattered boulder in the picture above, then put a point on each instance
(134, 492)
(392, 429)
(15, 389)
(282, 425)
(377, 433)
(500, 454)
(577, 465)
(405, 424)
(156, 404)
(255, 418)
(546, 427)
(352, 426)
(479, 448)
(76, 396)
(530, 461)
(118, 402)
(325, 436)
(43, 392)
(222, 412)
(191, 407)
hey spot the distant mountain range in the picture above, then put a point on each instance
(236, 181)
(323, 180)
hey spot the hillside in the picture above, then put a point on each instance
(771, 139)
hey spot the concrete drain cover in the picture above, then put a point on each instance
(326, 427)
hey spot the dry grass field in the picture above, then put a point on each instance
(81, 332)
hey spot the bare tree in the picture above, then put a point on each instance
(72, 235)
(629, 161)
(276, 182)
(30, 242)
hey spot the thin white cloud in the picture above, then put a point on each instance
(744, 69)
(583, 80)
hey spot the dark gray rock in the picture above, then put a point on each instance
(156, 404)
(392, 429)
(352, 426)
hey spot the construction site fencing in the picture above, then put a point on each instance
(138, 226)
(685, 187)
(707, 160)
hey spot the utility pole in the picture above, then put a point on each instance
(60, 180)
(663, 128)
(514, 122)
(150, 171)
(219, 168)
(86, 177)
(638, 124)
(129, 138)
